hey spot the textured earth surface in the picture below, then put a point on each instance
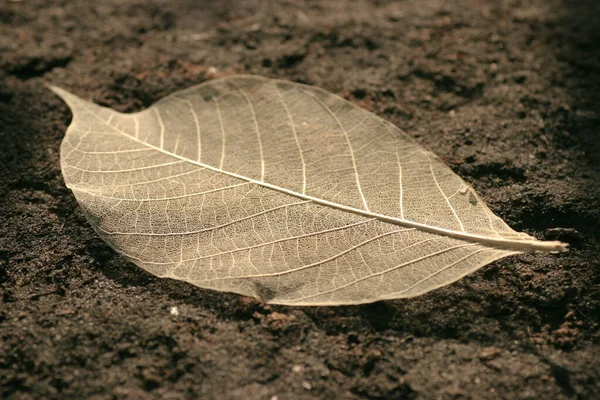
(506, 92)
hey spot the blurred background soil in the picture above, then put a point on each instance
(506, 92)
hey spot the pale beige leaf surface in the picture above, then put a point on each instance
(279, 191)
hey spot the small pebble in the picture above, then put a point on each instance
(212, 72)
(297, 369)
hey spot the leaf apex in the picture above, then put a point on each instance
(65, 95)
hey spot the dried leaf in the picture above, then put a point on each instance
(279, 191)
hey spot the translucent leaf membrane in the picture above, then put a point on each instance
(279, 191)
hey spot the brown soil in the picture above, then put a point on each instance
(506, 92)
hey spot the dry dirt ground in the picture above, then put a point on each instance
(506, 92)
